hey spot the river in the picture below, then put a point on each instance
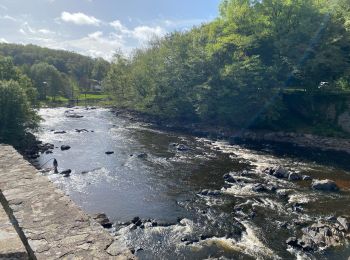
(147, 176)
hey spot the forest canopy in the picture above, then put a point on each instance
(236, 70)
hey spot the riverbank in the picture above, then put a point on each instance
(303, 140)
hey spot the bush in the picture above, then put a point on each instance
(16, 114)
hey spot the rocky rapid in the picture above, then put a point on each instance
(168, 195)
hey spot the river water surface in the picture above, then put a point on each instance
(147, 176)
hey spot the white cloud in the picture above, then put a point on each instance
(45, 31)
(7, 17)
(103, 42)
(79, 19)
(3, 40)
(117, 25)
(141, 33)
(22, 31)
(95, 44)
(146, 33)
(95, 35)
(34, 33)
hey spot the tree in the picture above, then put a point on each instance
(47, 79)
(100, 69)
(118, 81)
(16, 114)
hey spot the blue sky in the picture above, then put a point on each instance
(98, 27)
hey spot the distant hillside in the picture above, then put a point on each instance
(65, 61)
(55, 72)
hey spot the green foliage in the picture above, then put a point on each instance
(233, 70)
(17, 99)
(16, 114)
(48, 80)
(65, 73)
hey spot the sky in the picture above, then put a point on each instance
(99, 27)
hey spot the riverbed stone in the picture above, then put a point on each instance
(65, 147)
(324, 185)
(280, 172)
(344, 222)
(51, 224)
(294, 176)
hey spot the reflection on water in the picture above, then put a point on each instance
(147, 176)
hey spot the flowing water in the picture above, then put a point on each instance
(165, 184)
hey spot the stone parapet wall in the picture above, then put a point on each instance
(49, 224)
(11, 246)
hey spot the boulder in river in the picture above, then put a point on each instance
(259, 188)
(142, 155)
(293, 242)
(66, 173)
(81, 130)
(136, 221)
(65, 147)
(323, 234)
(210, 192)
(345, 223)
(229, 178)
(280, 173)
(324, 185)
(73, 115)
(182, 148)
(307, 178)
(59, 132)
(103, 220)
(294, 176)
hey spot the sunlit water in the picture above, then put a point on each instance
(237, 224)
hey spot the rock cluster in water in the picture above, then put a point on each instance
(38, 147)
(103, 220)
(323, 234)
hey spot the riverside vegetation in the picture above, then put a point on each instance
(241, 69)
(249, 68)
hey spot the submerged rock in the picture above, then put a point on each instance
(59, 132)
(81, 130)
(135, 220)
(229, 178)
(259, 188)
(142, 155)
(182, 148)
(293, 241)
(65, 147)
(210, 192)
(294, 177)
(324, 185)
(282, 193)
(74, 115)
(280, 173)
(307, 178)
